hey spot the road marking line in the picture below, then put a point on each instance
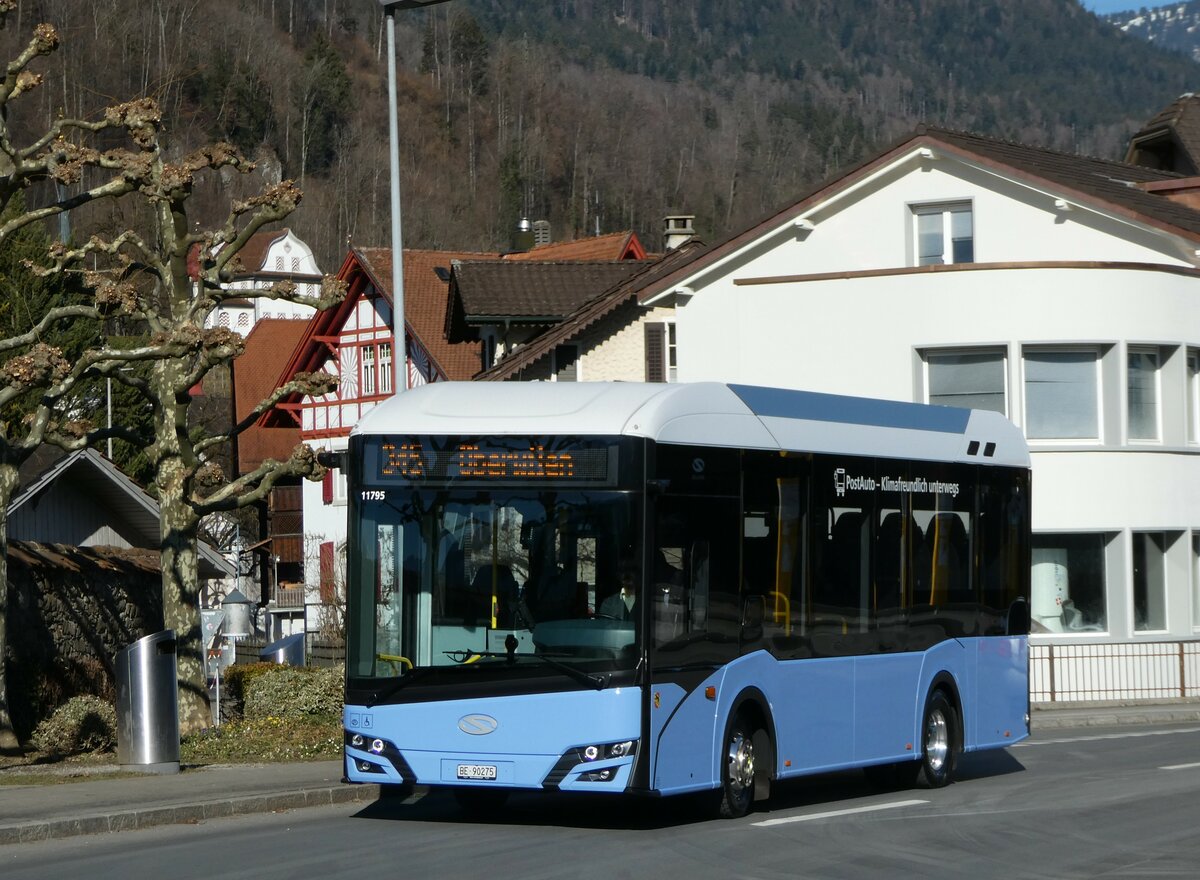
(1079, 739)
(831, 813)
(1181, 766)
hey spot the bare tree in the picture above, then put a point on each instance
(35, 377)
(175, 277)
(168, 280)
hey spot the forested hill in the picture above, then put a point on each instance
(597, 115)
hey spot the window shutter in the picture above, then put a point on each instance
(327, 572)
(327, 487)
(656, 352)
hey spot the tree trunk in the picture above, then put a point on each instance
(8, 483)
(181, 598)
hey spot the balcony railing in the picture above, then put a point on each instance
(1113, 672)
(289, 597)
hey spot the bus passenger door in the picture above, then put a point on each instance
(693, 621)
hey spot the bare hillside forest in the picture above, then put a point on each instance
(596, 115)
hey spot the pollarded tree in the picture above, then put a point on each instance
(36, 378)
(144, 276)
(172, 278)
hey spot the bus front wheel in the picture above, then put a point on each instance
(941, 743)
(737, 770)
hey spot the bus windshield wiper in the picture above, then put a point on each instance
(397, 685)
(599, 682)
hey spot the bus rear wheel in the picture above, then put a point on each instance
(737, 770)
(941, 743)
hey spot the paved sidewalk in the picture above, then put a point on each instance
(1054, 716)
(42, 812)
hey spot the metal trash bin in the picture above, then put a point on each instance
(148, 705)
(288, 651)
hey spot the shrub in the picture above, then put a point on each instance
(268, 740)
(82, 724)
(237, 680)
(296, 692)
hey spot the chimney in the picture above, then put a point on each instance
(541, 232)
(677, 228)
(523, 238)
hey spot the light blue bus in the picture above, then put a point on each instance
(660, 589)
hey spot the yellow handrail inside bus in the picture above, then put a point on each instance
(394, 659)
(783, 611)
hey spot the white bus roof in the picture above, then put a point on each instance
(702, 413)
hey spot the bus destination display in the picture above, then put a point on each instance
(477, 460)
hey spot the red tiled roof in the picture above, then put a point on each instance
(613, 246)
(268, 348)
(425, 296)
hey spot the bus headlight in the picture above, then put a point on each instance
(357, 741)
(620, 750)
(377, 746)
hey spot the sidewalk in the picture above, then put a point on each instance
(1055, 716)
(41, 812)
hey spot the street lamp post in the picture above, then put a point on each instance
(400, 357)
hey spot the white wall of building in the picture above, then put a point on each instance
(868, 334)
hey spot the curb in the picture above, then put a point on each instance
(185, 814)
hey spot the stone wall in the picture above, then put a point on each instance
(70, 610)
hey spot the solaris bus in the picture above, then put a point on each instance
(811, 582)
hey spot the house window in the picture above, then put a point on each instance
(945, 234)
(385, 368)
(1193, 395)
(566, 363)
(660, 351)
(368, 370)
(672, 361)
(970, 379)
(1067, 585)
(1149, 581)
(1062, 400)
(1141, 393)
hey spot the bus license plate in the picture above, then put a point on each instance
(476, 771)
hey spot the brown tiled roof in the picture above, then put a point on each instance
(624, 295)
(254, 252)
(268, 348)
(535, 291)
(613, 246)
(1171, 137)
(425, 297)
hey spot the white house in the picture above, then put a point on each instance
(267, 258)
(953, 269)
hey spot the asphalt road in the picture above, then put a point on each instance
(1067, 804)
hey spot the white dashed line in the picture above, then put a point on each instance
(832, 813)
(1081, 739)
(1181, 766)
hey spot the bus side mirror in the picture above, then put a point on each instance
(1018, 617)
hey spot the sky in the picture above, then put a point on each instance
(1122, 5)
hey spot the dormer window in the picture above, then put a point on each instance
(944, 233)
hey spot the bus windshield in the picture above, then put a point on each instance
(512, 577)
